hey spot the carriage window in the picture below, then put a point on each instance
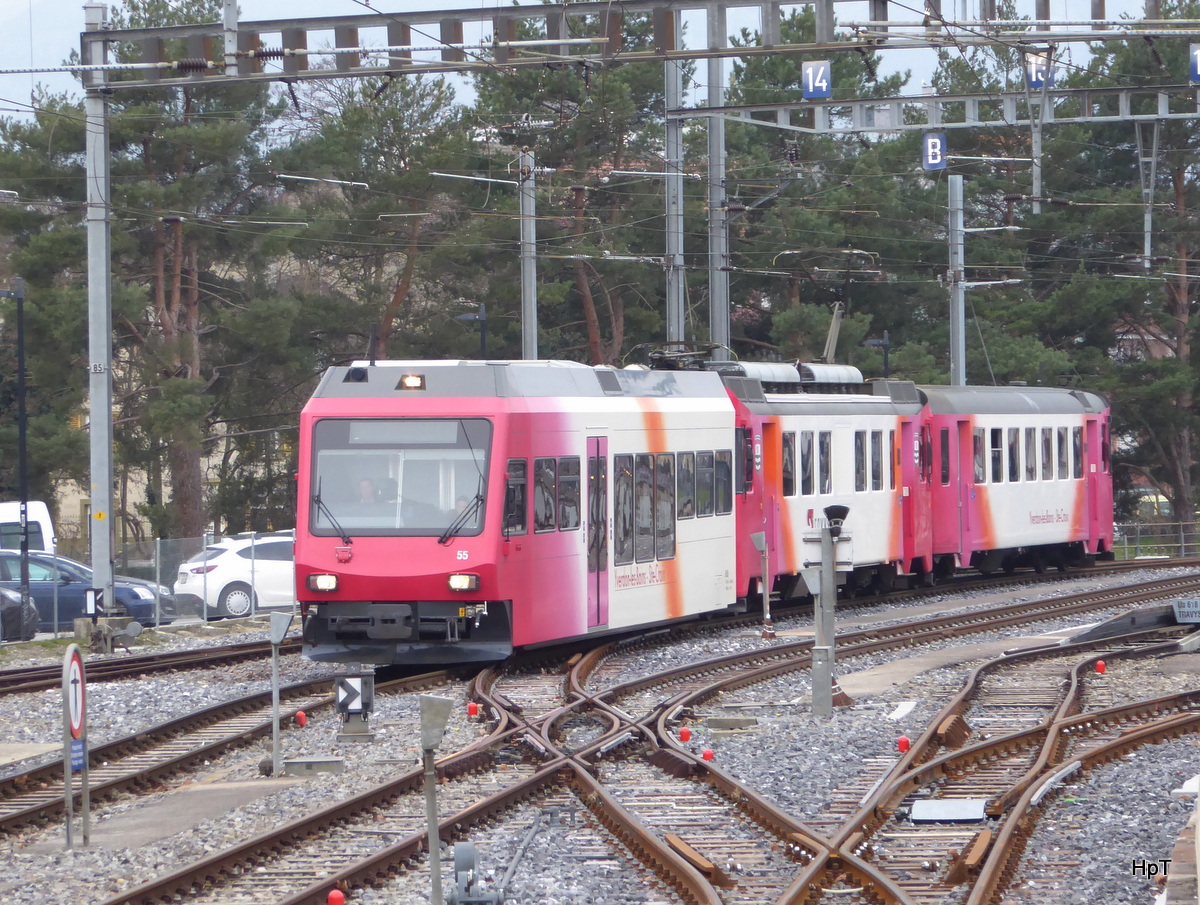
(643, 507)
(544, 471)
(568, 493)
(622, 510)
(664, 506)
(1062, 453)
(704, 483)
(806, 463)
(893, 455)
(597, 523)
(789, 463)
(1047, 453)
(924, 455)
(743, 459)
(877, 460)
(723, 482)
(944, 444)
(1077, 451)
(997, 455)
(860, 460)
(825, 461)
(980, 456)
(514, 498)
(1014, 454)
(686, 494)
(1031, 454)
(1104, 450)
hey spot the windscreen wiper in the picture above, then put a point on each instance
(461, 519)
(322, 508)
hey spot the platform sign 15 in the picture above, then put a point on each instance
(1194, 64)
(933, 151)
(1039, 70)
(815, 79)
(1186, 610)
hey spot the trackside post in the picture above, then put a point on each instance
(75, 739)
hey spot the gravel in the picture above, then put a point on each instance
(565, 858)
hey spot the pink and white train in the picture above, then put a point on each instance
(451, 511)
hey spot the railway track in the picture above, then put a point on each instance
(38, 678)
(144, 759)
(616, 750)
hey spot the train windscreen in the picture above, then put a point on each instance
(399, 476)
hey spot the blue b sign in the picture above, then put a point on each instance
(1039, 70)
(815, 79)
(933, 151)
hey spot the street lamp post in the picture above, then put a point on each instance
(478, 317)
(18, 293)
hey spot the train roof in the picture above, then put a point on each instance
(509, 379)
(1012, 400)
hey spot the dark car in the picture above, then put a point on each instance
(133, 597)
(17, 622)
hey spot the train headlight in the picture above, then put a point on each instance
(322, 582)
(464, 581)
(411, 382)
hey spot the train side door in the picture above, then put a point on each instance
(598, 552)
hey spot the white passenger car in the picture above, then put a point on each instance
(240, 575)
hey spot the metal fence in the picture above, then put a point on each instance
(1160, 540)
(160, 560)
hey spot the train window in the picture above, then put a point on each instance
(1047, 453)
(877, 460)
(893, 455)
(1062, 454)
(1014, 454)
(743, 459)
(622, 510)
(980, 456)
(664, 506)
(723, 481)
(1031, 454)
(568, 493)
(685, 493)
(597, 524)
(997, 448)
(705, 473)
(825, 461)
(924, 455)
(514, 498)
(1104, 448)
(397, 477)
(643, 507)
(1077, 451)
(944, 444)
(860, 460)
(543, 494)
(789, 463)
(806, 462)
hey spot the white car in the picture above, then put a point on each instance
(240, 575)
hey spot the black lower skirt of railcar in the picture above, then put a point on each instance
(426, 633)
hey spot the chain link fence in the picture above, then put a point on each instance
(209, 576)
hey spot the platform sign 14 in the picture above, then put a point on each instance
(1039, 70)
(816, 80)
(933, 151)
(1194, 63)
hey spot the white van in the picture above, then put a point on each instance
(41, 529)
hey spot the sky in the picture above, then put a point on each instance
(42, 33)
